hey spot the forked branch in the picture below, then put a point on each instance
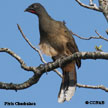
(90, 6)
(91, 37)
(40, 70)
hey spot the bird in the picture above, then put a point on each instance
(103, 5)
(57, 41)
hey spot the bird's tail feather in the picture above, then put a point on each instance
(68, 85)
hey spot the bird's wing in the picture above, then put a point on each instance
(73, 48)
(71, 44)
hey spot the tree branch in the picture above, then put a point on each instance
(18, 58)
(10, 86)
(34, 79)
(91, 37)
(40, 70)
(92, 6)
(93, 87)
(100, 36)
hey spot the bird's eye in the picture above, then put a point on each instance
(35, 6)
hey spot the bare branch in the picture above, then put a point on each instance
(59, 62)
(93, 6)
(10, 86)
(58, 73)
(84, 38)
(40, 70)
(36, 49)
(23, 65)
(34, 79)
(100, 36)
(91, 37)
(93, 87)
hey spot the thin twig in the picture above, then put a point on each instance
(93, 87)
(18, 58)
(91, 37)
(100, 36)
(84, 38)
(93, 7)
(37, 50)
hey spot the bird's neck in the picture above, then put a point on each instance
(44, 21)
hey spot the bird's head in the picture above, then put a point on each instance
(35, 8)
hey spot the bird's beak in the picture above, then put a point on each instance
(26, 10)
(30, 9)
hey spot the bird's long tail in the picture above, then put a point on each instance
(68, 84)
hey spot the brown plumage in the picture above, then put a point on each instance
(56, 41)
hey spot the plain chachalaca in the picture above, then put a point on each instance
(56, 41)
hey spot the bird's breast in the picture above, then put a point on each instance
(47, 49)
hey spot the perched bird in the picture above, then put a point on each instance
(103, 5)
(56, 41)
